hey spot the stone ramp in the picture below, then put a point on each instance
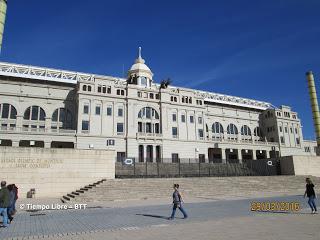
(213, 188)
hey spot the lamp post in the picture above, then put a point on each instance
(3, 13)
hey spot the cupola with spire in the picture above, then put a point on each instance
(139, 73)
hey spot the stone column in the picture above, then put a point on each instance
(144, 153)
(254, 154)
(19, 122)
(48, 124)
(239, 155)
(154, 153)
(223, 155)
(267, 154)
(47, 144)
(15, 143)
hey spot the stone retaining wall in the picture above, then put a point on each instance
(54, 172)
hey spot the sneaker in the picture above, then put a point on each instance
(313, 212)
(170, 218)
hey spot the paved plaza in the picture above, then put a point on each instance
(221, 219)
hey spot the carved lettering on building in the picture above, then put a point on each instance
(25, 162)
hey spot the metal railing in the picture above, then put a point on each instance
(37, 130)
(194, 168)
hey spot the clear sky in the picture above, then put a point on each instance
(255, 49)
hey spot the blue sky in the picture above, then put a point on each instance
(255, 49)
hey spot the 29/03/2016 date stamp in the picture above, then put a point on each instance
(276, 206)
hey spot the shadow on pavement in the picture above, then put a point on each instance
(154, 216)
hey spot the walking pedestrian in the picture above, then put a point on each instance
(4, 203)
(10, 209)
(177, 203)
(311, 195)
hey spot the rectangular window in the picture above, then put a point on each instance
(98, 110)
(157, 96)
(285, 129)
(191, 119)
(148, 113)
(121, 156)
(174, 117)
(104, 89)
(200, 120)
(298, 141)
(280, 129)
(291, 130)
(109, 90)
(174, 132)
(296, 130)
(202, 158)
(99, 89)
(34, 114)
(85, 125)
(151, 96)
(183, 118)
(109, 111)
(175, 157)
(139, 127)
(282, 140)
(200, 131)
(86, 109)
(111, 142)
(148, 128)
(120, 112)
(119, 127)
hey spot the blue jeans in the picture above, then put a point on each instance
(174, 208)
(312, 203)
(3, 211)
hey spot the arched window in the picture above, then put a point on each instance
(149, 122)
(257, 132)
(232, 129)
(217, 128)
(7, 111)
(35, 113)
(89, 88)
(62, 118)
(245, 130)
(148, 113)
(84, 87)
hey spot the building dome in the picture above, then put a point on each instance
(139, 68)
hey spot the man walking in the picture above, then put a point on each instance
(4, 203)
(177, 203)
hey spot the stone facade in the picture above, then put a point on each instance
(139, 118)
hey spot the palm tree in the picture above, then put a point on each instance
(165, 83)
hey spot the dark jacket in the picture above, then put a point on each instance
(4, 197)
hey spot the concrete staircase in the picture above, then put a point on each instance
(201, 188)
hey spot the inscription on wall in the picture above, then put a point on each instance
(24, 162)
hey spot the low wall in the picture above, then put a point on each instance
(54, 172)
(300, 165)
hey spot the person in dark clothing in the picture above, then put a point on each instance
(15, 190)
(10, 209)
(310, 193)
(4, 203)
(177, 203)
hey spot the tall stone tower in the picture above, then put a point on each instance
(3, 12)
(314, 106)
